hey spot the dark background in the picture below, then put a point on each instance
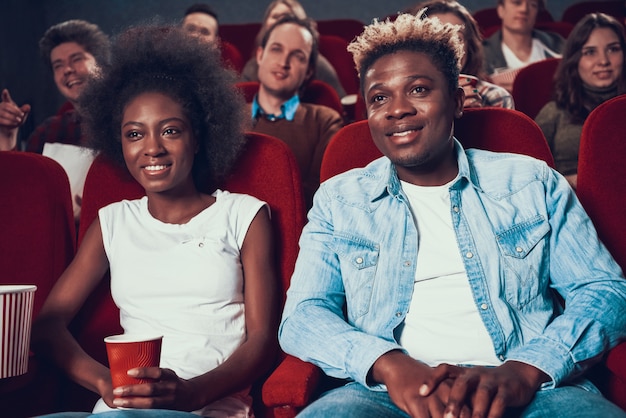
(23, 22)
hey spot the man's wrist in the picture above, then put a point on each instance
(533, 376)
(382, 366)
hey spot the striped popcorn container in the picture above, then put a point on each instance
(16, 310)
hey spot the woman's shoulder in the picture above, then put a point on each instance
(225, 197)
(125, 205)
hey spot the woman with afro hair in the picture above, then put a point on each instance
(168, 112)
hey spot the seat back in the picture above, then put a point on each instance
(321, 93)
(66, 106)
(562, 28)
(334, 48)
(231, 56)
(241, 35)
(533, 86)
(347, 29)
(316, 92)
(249, 89)
(266, 169)
(579, 9)
(502, 130)
(601, 184)
(494, 129)
(37, 229)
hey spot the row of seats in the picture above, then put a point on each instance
(37, 239)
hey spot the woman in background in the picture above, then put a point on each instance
(478, 91)
(590, 72)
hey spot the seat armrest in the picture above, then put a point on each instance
(292, 384)
(615, 381)
(616, 361)
(33, 393)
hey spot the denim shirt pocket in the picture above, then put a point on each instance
(524, 250)
(358, 260)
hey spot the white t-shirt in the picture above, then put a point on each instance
(184, 282)
(537, 53)
(443, 324)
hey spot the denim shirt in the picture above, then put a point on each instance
(522, 235)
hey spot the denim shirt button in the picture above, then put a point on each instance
(469, 254)
(398, 314)
(519, 249)
(407, 263)
(359, 260)
(456, 209)
(484, 306)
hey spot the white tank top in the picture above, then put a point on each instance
(184, 282)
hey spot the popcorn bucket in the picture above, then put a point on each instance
(16, 310)
(504, 76)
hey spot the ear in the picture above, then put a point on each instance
(500, 10)
(259, 54)
(459, 99)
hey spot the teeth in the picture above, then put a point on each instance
(155, 167)
(404, 133)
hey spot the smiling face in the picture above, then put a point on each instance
(602, 59)
(202, 25)
(158, 144)
(72, 66)
(411, 113)
(284, 62)
(518, 16)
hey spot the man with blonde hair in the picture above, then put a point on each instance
(428, 280)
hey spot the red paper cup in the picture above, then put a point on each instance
(16, 311)
(128, 351)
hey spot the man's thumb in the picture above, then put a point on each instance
(6, 97)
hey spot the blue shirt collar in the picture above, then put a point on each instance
(287, 109)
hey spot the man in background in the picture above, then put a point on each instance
(286, 60)
(201, 20)
(518, 43)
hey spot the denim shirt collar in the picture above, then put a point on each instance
(391, 183)
(287, 109)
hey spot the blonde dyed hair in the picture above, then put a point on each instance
(414, 33)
